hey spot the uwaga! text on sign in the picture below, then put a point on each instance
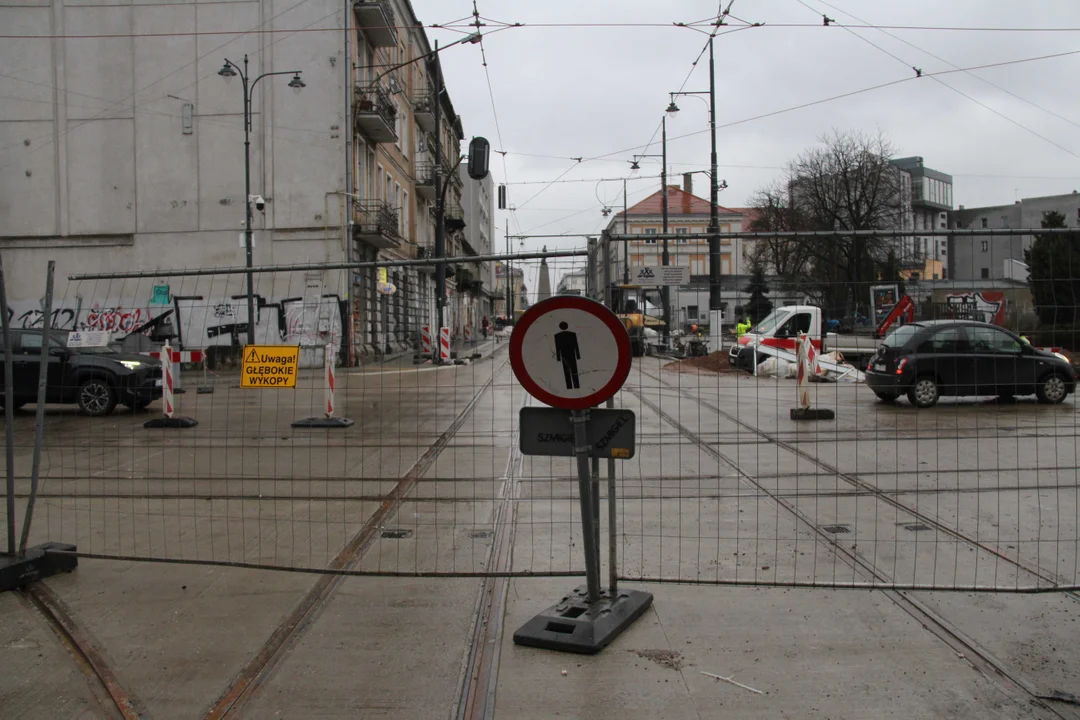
(270, 366)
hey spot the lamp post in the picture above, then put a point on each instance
(229, 71)
(715, 309)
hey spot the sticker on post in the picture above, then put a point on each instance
(270, 366)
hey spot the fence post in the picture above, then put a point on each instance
(18, 569)
(613, 535)
(9, 415)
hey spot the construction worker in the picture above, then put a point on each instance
(742, 328)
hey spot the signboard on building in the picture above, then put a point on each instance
(87, 338)
(659, 275)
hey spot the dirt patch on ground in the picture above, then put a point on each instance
(669, 659)
(715, 362)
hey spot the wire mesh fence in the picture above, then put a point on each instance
(977, 492)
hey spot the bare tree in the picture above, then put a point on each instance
(846, 183)
(781, 256)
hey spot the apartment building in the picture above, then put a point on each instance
(1002, 257)
(479, 207)
(126, 152)
(687, 215)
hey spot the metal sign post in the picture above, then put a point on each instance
(573, 353)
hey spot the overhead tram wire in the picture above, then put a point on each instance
(958, 69)
(920, 73)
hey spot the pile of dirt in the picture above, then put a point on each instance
(715, 362)
(670, 659)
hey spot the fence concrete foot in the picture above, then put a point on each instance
(578, 626)
(812, 414)
(37, 563)
(171, 422)
(323, 422)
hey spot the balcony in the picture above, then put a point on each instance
(453, 217)
(425, 180)
(424, 110)
(375, 18)
(376, 116)
(425, 252)
(376, 223)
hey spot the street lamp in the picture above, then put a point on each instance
(229, 71)
(715, 310)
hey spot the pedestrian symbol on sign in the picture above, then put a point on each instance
(646, 273)
(568, 353)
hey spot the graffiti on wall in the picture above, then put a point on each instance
(113, 318)
(989, 304)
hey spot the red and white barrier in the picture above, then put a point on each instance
(327, 419)
(468, 334)
(166, 380)
(425, 340)
(329, 360)
(444, 344)
(803, 347)
(180, 356)
(168, 402)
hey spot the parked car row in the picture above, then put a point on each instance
(96, 379)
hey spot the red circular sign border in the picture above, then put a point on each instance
(575, 302)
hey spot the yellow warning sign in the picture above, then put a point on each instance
(269, 366)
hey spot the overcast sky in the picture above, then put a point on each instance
(601, 90)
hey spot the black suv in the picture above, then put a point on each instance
(926, 360)
(94, 378)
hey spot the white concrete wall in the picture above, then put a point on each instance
(99, 175)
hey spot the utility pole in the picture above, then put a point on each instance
(626, 243)
(506, 276)
(666, 258)
(715, 308)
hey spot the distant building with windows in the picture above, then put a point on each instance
(927, 208)
(1002, 257)
(572, 283)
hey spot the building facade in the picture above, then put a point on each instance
(519, 293)
(479, 206)
(1002, 257)
(574, 282)
(127, 153)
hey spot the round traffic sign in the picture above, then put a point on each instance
(570, 352)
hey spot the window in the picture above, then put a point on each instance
(405, 214)
(983, 221)
(984, 245)
(691, 312)
(378, 185)
(993, 340)
(31, 342)
(1004, 221)
(900, 336)
(650, 231)
(986, 273)
(681, 231)
(947, 341)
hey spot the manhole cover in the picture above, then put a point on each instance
(396, 534)
(480, 534)
(835, 529)
(915, 527)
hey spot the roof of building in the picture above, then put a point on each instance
(680, 202)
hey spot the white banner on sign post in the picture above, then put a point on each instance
(659, 275)
(88, 338)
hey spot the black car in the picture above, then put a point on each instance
(94, 378)
(926, 360)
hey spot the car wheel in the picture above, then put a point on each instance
(97, 397)
(886, 397)
(1051, 389)
(924, 393)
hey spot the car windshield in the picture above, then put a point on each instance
(772, 321)
(900, 336)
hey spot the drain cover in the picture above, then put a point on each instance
(396, 534)
(834, 529)
(915, 527)
(480, 534)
